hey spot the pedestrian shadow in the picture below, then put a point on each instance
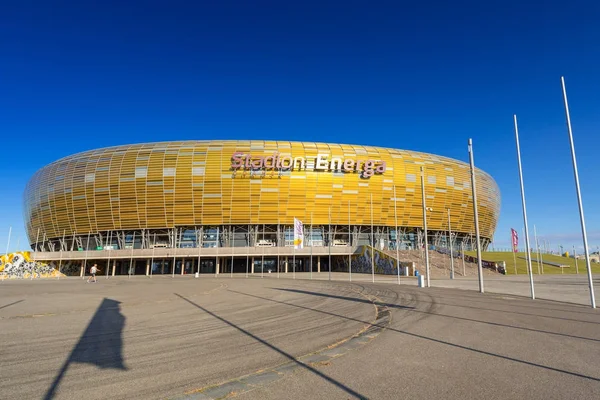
(101, 343)
(315, 371)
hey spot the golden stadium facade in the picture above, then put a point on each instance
(202, 197)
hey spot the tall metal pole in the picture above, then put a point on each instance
(450, 244)
(528, 248)
(311, 244)
(217, 263)
(232, 249)
(541, 260)
(62, 243)
(476, 215)
(425, 226)
(8, 244)
(462, 250)
(152, 259)
(350, 243)
(537, 248)
(131, 259)
(329, 242)
(581, 215)
(372, 243)
(87, 244)
(397, 235)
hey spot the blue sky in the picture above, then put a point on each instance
(426, 77)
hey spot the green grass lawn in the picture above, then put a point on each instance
(548, 269)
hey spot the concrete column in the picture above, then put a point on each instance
(252, 266)
(182, 266)
(114, 268)
(162, 266)
(147, 267)
(286, 265)
(217, 266)
(318, 263)
(82, 271)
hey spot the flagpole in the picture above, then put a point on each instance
(528, 248)
(372, 243)
(581, 214)
(397, 236)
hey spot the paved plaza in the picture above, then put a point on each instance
(284, 338)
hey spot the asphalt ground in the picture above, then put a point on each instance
(275, 338)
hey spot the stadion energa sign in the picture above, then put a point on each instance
(322, 162)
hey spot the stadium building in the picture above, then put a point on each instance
(230, 206)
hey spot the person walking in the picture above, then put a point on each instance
(93, 272)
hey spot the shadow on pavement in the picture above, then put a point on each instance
(426, 337)
(444, 315)
(11, 304)
(333, 296)
(272, 347)
(100, 344)
(519, 312)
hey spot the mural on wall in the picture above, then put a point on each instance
(19, 265)
(361, 263)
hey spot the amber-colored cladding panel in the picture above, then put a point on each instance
(162, 185)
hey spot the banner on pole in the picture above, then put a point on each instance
(298, 234)
(515, 240)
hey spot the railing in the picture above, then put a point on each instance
(191, 252)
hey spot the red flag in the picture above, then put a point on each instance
(515, 240)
